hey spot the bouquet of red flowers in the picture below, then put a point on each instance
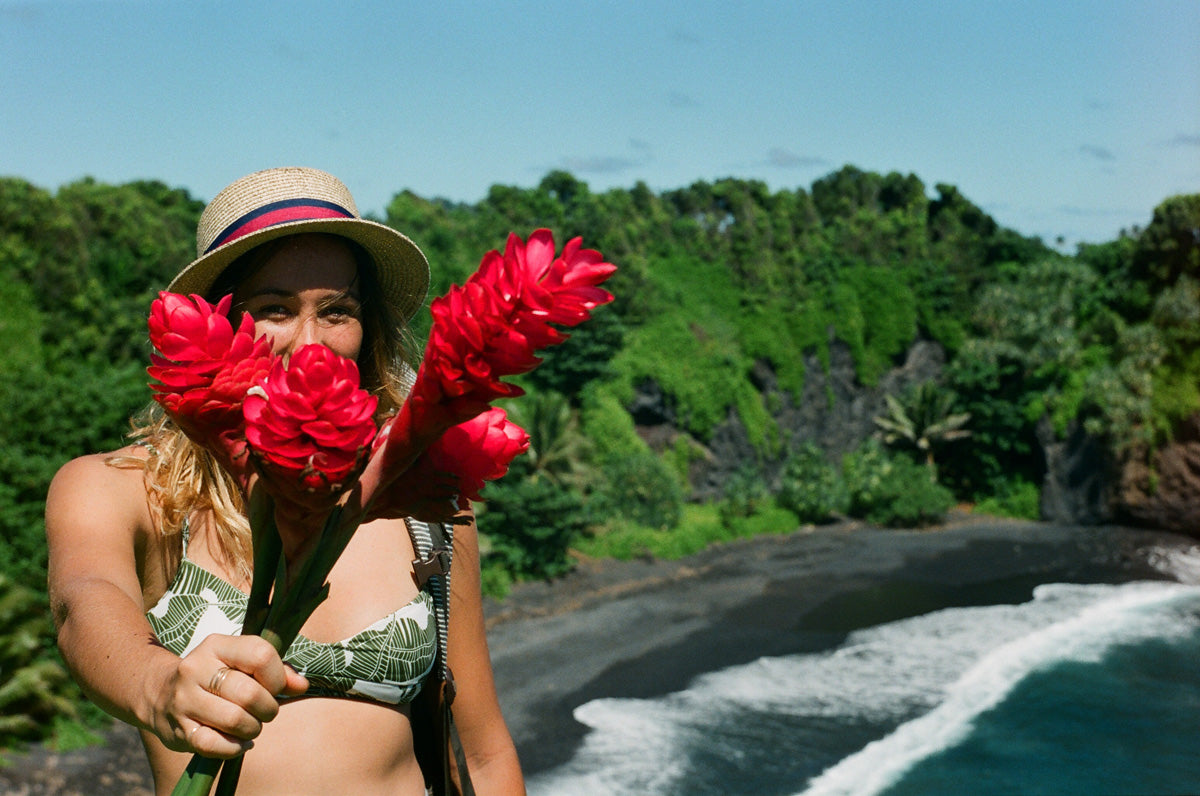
(301, 440)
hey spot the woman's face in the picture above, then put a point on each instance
(306, 292)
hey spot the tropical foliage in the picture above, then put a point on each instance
(812, 487)
(922, 421)
(719, 283)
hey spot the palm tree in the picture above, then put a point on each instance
(923, 421)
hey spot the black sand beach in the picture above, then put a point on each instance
(645, 628)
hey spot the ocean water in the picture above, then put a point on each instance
(1084, 689)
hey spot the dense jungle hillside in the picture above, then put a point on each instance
(867, 346)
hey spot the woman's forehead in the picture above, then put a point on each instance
(304, 262)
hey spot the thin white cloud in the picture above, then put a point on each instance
(782, 158)
(640, 154)
(1094, 212)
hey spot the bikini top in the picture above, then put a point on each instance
(387, 662)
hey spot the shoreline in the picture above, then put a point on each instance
(645, 628)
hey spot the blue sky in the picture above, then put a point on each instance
(1069, 119)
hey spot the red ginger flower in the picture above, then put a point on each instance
(489, 328)
(203, 369)
(452, 471)
(492, 326)
(545, 289)
(478, 450)
(309, 421)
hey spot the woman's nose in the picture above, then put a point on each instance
(305, 331)
(309, 332)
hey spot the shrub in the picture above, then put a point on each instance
(811, 487)
(495, 580)
(769, 520)
(35, 689)
(530, 524)
(744, 495)
(1018, 499)
(640, 489)
(608, 427)
(893, 490)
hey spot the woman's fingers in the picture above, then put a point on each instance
(246, 693)
(233, 681)
(211, 742)
(256, 658)
(296, 683)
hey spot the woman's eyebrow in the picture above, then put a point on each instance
(344, 293)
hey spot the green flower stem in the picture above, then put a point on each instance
(268, 548)
(230, 773)
(198, 777)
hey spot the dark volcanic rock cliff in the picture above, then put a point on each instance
(1164, 491)
(835, 412)
(1083, 484)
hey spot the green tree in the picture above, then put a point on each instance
(640, 488)
(843, 193)
(989, 378)
(586, 355)
(1170, 246)
(529, 525)
(923, 420)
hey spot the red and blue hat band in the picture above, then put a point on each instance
(276, 213)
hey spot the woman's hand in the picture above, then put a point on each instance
(218, 697)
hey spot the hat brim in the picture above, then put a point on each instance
(401, 267)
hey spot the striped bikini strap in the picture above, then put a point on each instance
(433, 543)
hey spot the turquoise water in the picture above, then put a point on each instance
(1123, 723)
(1083, 689)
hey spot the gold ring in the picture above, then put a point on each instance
(218, 679)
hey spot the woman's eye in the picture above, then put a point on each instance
(270, 311)
(340, 312)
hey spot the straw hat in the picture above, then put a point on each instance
(289, 201)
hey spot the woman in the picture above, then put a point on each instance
(150, 552)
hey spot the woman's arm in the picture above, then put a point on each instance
(98, 530)
(491, 755)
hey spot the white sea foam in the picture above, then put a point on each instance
(1180, 563)
(1120, 614)
(929, 673)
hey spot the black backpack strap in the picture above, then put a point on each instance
(433, 543)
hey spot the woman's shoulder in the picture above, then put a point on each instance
(105, 483)
(123, 464)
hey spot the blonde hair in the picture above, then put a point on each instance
(183, 478)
